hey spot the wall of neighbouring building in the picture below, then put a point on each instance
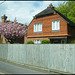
(71, 31)
(2, 39)
(55, 57)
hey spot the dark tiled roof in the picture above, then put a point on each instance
(49, 10)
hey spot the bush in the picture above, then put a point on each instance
(2, 43)
(73, 42)
(30, 42)
(45, 41)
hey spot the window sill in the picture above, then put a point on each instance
(55, 30)
(38, 32)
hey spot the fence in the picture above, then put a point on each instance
(58, 57)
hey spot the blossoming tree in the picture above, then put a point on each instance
(13, 30)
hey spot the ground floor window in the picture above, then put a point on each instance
(37, 41)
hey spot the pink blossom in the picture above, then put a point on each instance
(13, 30)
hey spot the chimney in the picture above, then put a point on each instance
(4, 17)
(51, 6)
(15, 20)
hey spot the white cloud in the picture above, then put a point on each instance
(25, 10)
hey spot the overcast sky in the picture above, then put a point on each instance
(24, 10)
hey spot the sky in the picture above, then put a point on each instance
(24, 10)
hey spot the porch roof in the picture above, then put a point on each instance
(60, 35)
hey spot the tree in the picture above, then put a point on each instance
(13, 30)
(67, 9)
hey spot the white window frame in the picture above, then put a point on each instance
(57, 27)
(37, 41)
(38, 27)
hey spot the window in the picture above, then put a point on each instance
(55, 25)
(38, 27)
(37, 41)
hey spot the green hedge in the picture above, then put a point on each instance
(30, 42)
(45, 41)
(73, 42)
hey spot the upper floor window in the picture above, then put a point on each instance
(38, 27)
(55, 25)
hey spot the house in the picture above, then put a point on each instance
(51, 25)
(2, 38)
(5, 40)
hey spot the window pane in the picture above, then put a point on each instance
(34, 27)
(57, 25)
(53, 25)
(40, 26)
(35, 41)
(38, 41)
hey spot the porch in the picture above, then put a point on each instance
(58, 40)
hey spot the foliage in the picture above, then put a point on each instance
(2, 43)
(45, 41)
(67, 9)
(30, 42)
(73, 42)
(13, 30)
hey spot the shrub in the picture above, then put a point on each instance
(45, 41)
(73, 42)
(2, 43)
(30, 42)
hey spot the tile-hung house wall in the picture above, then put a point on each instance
(51, 25)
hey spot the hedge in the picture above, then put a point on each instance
(30, 42)
(45, 41)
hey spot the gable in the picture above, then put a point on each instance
(49, 11)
